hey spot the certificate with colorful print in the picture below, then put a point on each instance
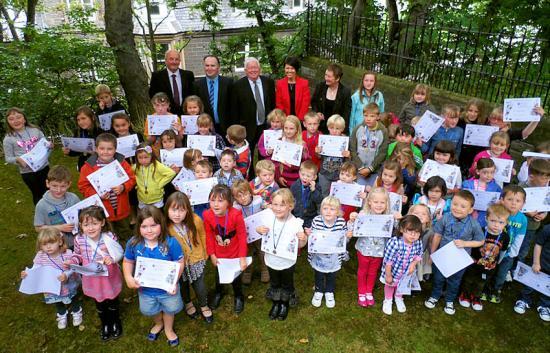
(173, 157)
(326, 242)
(78, 144)
(333, 146)
(189, 124)
(204, 143)
(369, 225)
(348, 194)
(428, 125)
(127, 145)
(197, 190)
(37, 158)
(157, 124)
(288, 152)
(478, 135)
(107, 177)
(155, 273)
(71, 214)
(520, 109)
(106, 119)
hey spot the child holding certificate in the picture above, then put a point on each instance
(190, 159)
(311, 135)
(276, 120)
(285, 173)
(444, 153)
(228, 173)
(523, 174)
(449, 131)
(498, 145)
(161, 106)
(391, 178)
(206, 128)
(473, 113)
(192, 105)
(434, 192)
(203, 170)
(264, 183)
(86, 128)
(403, 154)
(236, 136)
(306, 193)
(348, 174)
(417, 105)
(424, 268)
(152, 242)
(121, 126)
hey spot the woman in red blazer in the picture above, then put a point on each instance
(292, 92)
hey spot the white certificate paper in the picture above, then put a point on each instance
(326, 242)
(78, 144)
(448, 172)
(183, 175)
(41, 279)
(287, 152)
(197, 190)
(348, 194)
(189, 124)
(538, 281)
(333, 146)
(449, 259)
(254, 221)
(205, 143)
(270, 138)
(536, 155)
(369, 225)
(155, 273)
(71, 214)
(483, 199)
(173, 157)
(106, 119)
(478, 135)
(37, 158)
(127, 145)
(428, 125)
(538, 199)
(107, 177)
(157, 124)
(93, 269)
(520, 109)
(396, 202)
(285, 244)
(504, 168)
(229, 269)
(408, 283)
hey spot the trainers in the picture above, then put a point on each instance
(521, 307)
(246, 277)
(464, 300)
(484, 297)
(544, 313)
(317, 299)
(476, 304)
(400, 305)
(430, 303)
(329, 300)
(362, 301)
(387, 306)
(449, 308)
(370, 299)
(77, 318)
(61, 321)
(495, 298)
(509, 277)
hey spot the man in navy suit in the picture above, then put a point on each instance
(175, 82)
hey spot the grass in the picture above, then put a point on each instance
(29, 324)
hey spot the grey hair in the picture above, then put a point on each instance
(249, 60)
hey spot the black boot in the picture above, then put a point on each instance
(275, 308)
(239, 304)
(283, 311)
(115, 324)
(104, 332)
(216, 300)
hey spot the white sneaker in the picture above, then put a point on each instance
(317, 299)
(61, 321)
(77, 318)
(430, 303)
(509, 277)
(521, 307)
(400, 305)
(449, 308)
(329, 300)
(544, 313)
(387, 306)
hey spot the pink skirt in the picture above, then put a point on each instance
(102, 288)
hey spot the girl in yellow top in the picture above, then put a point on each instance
(151, 177)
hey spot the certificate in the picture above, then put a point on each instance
(253, 222)
(284, 244)
(448, 172)
(520, 109)
(37, 158)
(504, 167)
(78, 144)
(428, 125)
(229, 269)
(538, 281)
(483, 199)
(105, 119)
(368, 225)
(478, 135)
(270, 138)
(205, 143)
(197, 190)
(41, 279)
(449, 259)
(333, 146)
(348, 194)
(189, 124)
(183, 175)
(93, 269)
(173, 157)
(106, 178)
(71, 214)
(288, 152)
(538, 199)
(536, 155)
(157, 124)
(407, 284)
(155, 273)
(127, 145)
(396, 202)
(326, 242)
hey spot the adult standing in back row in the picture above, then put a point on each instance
(292, 91)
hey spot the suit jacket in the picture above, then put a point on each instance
(244, 105)
(224, 100)
(301, 96)
(342, 104)
(160, 82)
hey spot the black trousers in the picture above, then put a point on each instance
(282, 283)
(237, 285)
(36, 182)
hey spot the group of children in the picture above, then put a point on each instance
(385, 159)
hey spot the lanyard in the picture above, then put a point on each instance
(145, 177)
(96, 248)
(55, 264)
(461, 230)
(250, 205)
(276, 243)
(403, 259)
(182, 231)
(490, 253)
(225, 225)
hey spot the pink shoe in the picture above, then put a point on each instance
(370, 300)
(362, 301)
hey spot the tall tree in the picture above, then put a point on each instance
(354, 27)
(31, 20)
(9, 20)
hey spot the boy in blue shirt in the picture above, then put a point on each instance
(448, 131)
(461, 228)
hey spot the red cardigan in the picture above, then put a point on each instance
(302, 97)
(235, 233)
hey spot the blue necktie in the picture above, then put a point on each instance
(211, 94)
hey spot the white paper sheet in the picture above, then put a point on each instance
(478, 135)
(229, 269)
(254, 221)
(270, 138)
(538, 281)
(197, 190)
(205, 143)
(449, 259)
(536, 155)
(107, 177)
(538, 199)
(369, 225)
(520, 109)
(428, 125)
(183, 176)
(189, 123)
(37, 158)
(326, 242)
(333, 145)
(173, 157)
(284, 245)
(483, 199)
(448, 172)
(396, 202)
(127, 145)
(407, 284)
(157, 124)
(155, 273)
(106, 119)
(287, 152)
(41, 279)
(504, 167)
(348, 194)
(93, 269)
(78, 144)
(71, 214)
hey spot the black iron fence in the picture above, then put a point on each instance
(466, 60)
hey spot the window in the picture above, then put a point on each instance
(155, 8)
(161, 50)
(242, 53)
(298, 3)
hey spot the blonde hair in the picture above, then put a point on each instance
(336, 121)
(286, 196)
(332, 201)
(404, 149)
(241, 186)
(375, 191)
(50, 235)
(498, 210)
(421, 88)
(500, 136)
(205, 120)
(276, 114)
(426, 209)
(265, 164)
(371, 108)
(294, 120)
(236, 133)
(102, 88)
(415, 120)
(195, 99)
(451, 109)
(311, 115)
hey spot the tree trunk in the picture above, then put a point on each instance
(151, 34)
(353, 32)
(9, 21)
(119, 33)
(393, 35)
(266, 34)
(31, 20)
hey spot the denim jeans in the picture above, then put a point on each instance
(526, 296)
(503, 267)
(453, 284)
(325, 282)
(526, 245)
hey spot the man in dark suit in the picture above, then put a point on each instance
(215, 93)
(175, 82)
(253, 99)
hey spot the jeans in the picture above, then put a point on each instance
(502, 269)
(325, 282)
(368, 180)
(74, 307)
(200, 290)
(525, 245)
(282, 283)
(453, 284)
(526, 296)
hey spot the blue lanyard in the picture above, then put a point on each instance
(225, 225)
(95, 252)
(55, 264)
(461, 230)
(250, 205)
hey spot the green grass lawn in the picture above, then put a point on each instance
(28, 325)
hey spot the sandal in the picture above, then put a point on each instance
(154, 336)
(207, 318)
(193, 315)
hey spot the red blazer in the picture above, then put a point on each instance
(302, 97)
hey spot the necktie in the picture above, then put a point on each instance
(211, 99)
(175, 90)
(259, 104)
